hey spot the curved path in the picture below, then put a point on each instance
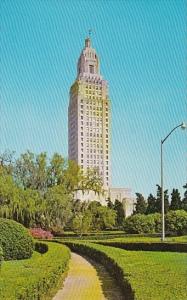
(88, 280)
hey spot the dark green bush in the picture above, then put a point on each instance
(1, 256)
(40, 247)
(110, 264)
(148, 246)
(176, 222)
(15, 240)
(36, 278)
(141, 223)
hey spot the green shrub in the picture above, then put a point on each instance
(110, 264)
(40, 247)
(148, 246)
(140, 224)
(140, 271)
(35, 278)
(176, 222)
(1, 256)
(15, 240)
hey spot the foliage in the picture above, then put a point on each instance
(151, 205)
(38, 192)
(159, 200)
(176, 222)
(147, 246)
(58, 207)
(184, 200)
(1, 256)
(82, 223)
(141, 205)
(93, 216)
(175, 200)
(15, 240)
(120, 213)
(41, 247)
(39, 233)
(140, 223)
(36, 276)
(138, 272)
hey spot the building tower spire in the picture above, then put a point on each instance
(89, 116)
(88, 63)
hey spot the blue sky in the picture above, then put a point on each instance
(142, 50)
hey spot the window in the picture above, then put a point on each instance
(91, 69)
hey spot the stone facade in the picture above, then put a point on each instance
(89, 117)
(89, 128)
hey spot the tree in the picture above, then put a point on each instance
(141, 205)
(175, 200)
(109, 203)
(184, 200)
(56, 170)
(7, 161)
(58, 207)
(82, 223)
(151, 205)
(106, 218)
(120, 214)
(159, 200)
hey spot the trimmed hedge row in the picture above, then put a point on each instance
(138, 272)
(1, 256)
(15, 240)
(109, 263)
(35, 277)
(41, 247)
(148, 246)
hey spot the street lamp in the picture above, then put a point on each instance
(183, 126)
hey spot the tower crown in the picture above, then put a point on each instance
(88, 63)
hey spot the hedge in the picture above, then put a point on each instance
(41, 247)
(109, 263)
(148, 246)
(15, 240)
(1, 256)
(34, 278)
(138, 272)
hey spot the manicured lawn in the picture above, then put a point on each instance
(34, 277)
(152, 275)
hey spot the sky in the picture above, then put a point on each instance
(142, 51)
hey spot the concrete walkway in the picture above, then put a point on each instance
(87, 280)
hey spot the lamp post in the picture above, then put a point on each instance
(183, 126)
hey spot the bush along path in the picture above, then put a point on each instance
(143, 275)
(88, 280)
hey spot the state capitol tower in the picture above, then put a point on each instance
(89, 117)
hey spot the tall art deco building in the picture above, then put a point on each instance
(89, 117)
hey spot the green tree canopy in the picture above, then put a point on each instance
(184, 200)
(151, 205)
(141, 205)
(175, 200)
(159, 200)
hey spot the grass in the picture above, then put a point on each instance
(33, 278)
(152, 275)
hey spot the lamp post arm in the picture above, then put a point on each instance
(171, 133)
